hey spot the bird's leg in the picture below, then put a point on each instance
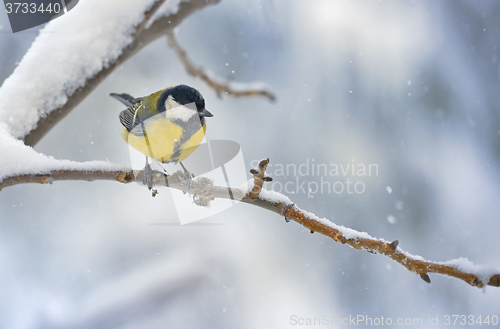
(188, 177)
(148, 177)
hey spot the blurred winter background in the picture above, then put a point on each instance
(411, 86)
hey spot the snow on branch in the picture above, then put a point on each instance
(220, 85)
(20, 162)
(203, 191)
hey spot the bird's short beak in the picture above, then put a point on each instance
(205, 113)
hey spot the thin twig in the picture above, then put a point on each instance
(343, 235)
(259, 178)
(220, 85)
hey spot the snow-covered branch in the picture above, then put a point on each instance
(461, 268)
(203, 191)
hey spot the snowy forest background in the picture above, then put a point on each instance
(411, 86)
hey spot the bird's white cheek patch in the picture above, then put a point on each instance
(170, 103)
(181, 112)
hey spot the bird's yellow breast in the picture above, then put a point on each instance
(165, 141)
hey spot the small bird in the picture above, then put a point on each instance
(167, 125)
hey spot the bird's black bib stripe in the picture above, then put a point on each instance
(189, 129)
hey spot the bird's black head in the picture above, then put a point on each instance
(184, 95)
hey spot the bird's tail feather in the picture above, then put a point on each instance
(125, 99)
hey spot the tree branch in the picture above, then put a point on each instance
(202, 189)
(220, 85)
(62, 175)
(142, 37)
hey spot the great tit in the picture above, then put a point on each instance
(167, 125)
